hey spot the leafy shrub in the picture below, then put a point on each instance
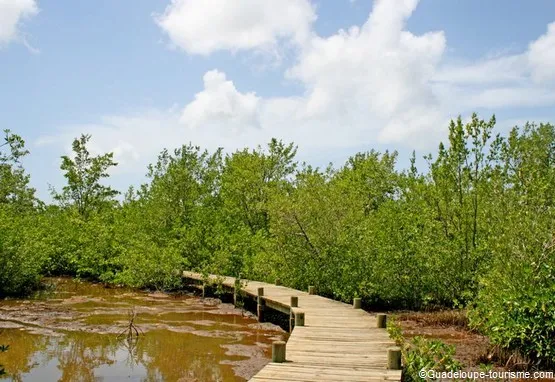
(20, 262)
(516, 305)
(420, 353)
(425, 354)
(145, 265)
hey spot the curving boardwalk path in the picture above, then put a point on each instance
(337, 342)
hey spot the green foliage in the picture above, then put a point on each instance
(149, 266)
(20, 259)
(14, 183)
(394, 330)
(420, 353)
(83, 174)
(515, 305)
(424, 354)
(20, 262)
(474, 229)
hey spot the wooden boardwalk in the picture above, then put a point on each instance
(336, 343)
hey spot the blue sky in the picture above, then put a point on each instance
(335, 77)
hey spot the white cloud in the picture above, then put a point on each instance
(524, 80)
(492, 71)
(12, 12)
(541, 54)
(134, 139)
(364, 85)
(375, 84)
(374, 77)
(206, 26)
(221, 103)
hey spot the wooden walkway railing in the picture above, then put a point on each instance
(330, 341)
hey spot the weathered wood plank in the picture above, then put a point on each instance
(336, 343)
(322, 373)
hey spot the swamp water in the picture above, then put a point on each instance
(71, 334)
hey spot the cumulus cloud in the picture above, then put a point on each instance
(541, 54)
(372, 77)
(221, 103)
(363, 85)
(373, 84)
(206, 26)
(12, 12)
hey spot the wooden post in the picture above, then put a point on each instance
(278, 351)
(311, 290)
(357, 303)
(294, 304)
(382, 320)
(394, 358)
(278, 281)
(261, 304)
(299, 318)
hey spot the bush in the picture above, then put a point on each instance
(420, 353)
(145, 265)
(20, 260)
(516, 304)
(424, 354)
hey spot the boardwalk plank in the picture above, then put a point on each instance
(337, 343)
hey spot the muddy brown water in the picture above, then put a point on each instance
(71, 334)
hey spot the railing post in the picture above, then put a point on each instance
(278, 281)
(294, 304)
(394, 358)
(311, 290)
(381, 320)
(278, 351)
(357, 303)
(299, 318)
(261, 304)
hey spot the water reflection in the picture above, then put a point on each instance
(72, 336)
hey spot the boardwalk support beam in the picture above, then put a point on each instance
(261, 305)
(357, 303)
(278, 351)
(394, 358)
(382, 320)
(235, 297)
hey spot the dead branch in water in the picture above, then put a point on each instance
(131, 330)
